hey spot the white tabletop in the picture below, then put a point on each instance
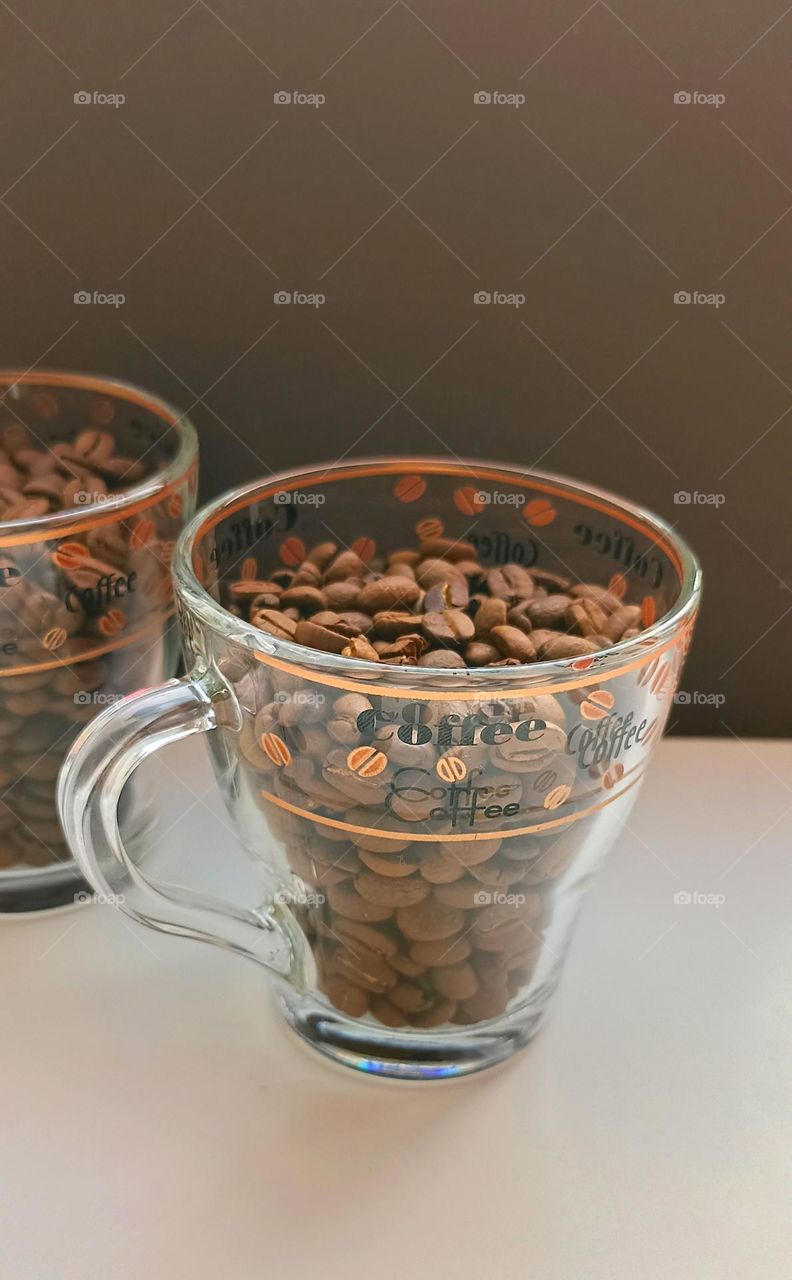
(159, 1121)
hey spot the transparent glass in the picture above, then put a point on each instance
(86, 598)
(482, 799)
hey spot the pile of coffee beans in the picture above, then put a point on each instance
(36, 480)
(40, 712)
(433, 606)
(59, 603)
(413, 931)
(410, 922)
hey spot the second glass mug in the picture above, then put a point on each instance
(496, 790)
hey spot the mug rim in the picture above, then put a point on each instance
(115, 506)
(289, 655)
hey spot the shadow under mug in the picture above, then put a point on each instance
(423, 836)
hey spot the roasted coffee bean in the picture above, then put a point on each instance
(550, 582)
(561, 646)
(622, 619)
(345, 565)
(349, 904)
(405, 570)
(47, 485)
(429, 921)
(441, 658)
(388, 593)
(446, 549)
(277, 623)
(549, 611)
(453, 594)
(479, 654)
(519, 616)
(248, 590)
(306, 575)
(387, 1013)
(390, 624)
(585, 618)
(407, 966)
(365, 968)
(398, 866)
(343, 726)
(440, 867)
(306, 599)
(450, 628)
(351, 622)
(462, 893)
(409, 646)
(358, 647)
(430, 573)
(346, 997)
(308, 633)
(490, 613)
(322, 554)
(391, 891)
(441, 1012)
(456, 981)
(404, 557)
(510, 583)
(513, 643)
(375, 939)
(342, 594)
(470, 568)
(606, 600)
(411, 998)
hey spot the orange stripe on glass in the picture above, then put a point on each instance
(87, 655)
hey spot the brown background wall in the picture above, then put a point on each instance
(598, 197)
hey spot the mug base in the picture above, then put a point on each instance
(441, 1054)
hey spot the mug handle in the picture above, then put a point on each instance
(101, 761)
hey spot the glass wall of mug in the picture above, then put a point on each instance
(97, 479)
(423, 834)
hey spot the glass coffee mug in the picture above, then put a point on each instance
(97, 480)
(423, 836)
